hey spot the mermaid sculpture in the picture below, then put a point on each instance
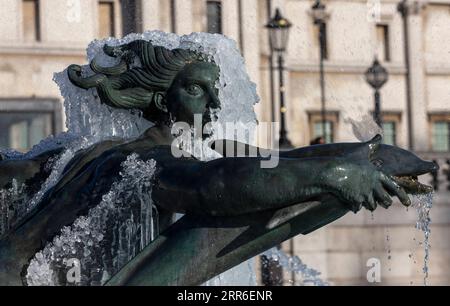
(228, 214)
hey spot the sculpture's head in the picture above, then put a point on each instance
(166, 85)
(193, 92)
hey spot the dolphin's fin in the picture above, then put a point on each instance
(374, 144)
(283, 215)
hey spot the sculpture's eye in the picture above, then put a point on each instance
(194, 90)
(377, 163)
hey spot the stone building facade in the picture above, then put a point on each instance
(39, 37)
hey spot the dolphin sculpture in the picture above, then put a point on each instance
(227, 241)
(173, 258)
(221, 228)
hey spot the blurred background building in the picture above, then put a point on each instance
(40, 37)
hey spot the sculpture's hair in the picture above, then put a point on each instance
(136, 88)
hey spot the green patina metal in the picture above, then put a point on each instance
(229, 215)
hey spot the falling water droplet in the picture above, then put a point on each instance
(423, 206)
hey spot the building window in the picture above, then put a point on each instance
(21, 131)
(106, 19)
(316, 126)
(173, 16)
(383, 42)
(391, 123)
(318, 131)
(167, 15)
(390, 132)
(441, 136)
(131, 13)
(440, 132)
(214, 16)
(30, 20)
(25, 122)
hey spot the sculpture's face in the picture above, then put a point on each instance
(193, 92)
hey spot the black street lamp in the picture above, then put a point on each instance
(320, 16)
(377, 76)
(278, 28)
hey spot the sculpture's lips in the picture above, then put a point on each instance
(412, 185)
(410, 181)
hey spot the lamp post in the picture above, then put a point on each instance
(376, 75)
(319, 15)
(278, 28)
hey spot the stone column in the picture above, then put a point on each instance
(250, 42)
(11, 16)
(183, 16)
(150, 15)
(230, 19)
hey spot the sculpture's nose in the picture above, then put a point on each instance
(214, 101)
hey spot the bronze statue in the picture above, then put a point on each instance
(229, 215)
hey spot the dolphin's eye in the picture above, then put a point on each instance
(377, 163)
(194, 90)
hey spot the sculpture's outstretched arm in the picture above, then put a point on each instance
(381, 156)
(235, 186)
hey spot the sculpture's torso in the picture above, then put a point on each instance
(86, 179)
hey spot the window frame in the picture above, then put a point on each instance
(387, 56)
(50, 106)
(117, 17)
(395, 117)
(38, 29)
(434, 118)
(131, 15)
(220, 23)
(316, 117)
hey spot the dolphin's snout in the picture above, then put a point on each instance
(435, 166)
(427, 167)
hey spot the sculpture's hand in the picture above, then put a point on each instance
(360, 183)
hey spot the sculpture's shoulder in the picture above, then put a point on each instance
(106, 157)
(27, 170)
